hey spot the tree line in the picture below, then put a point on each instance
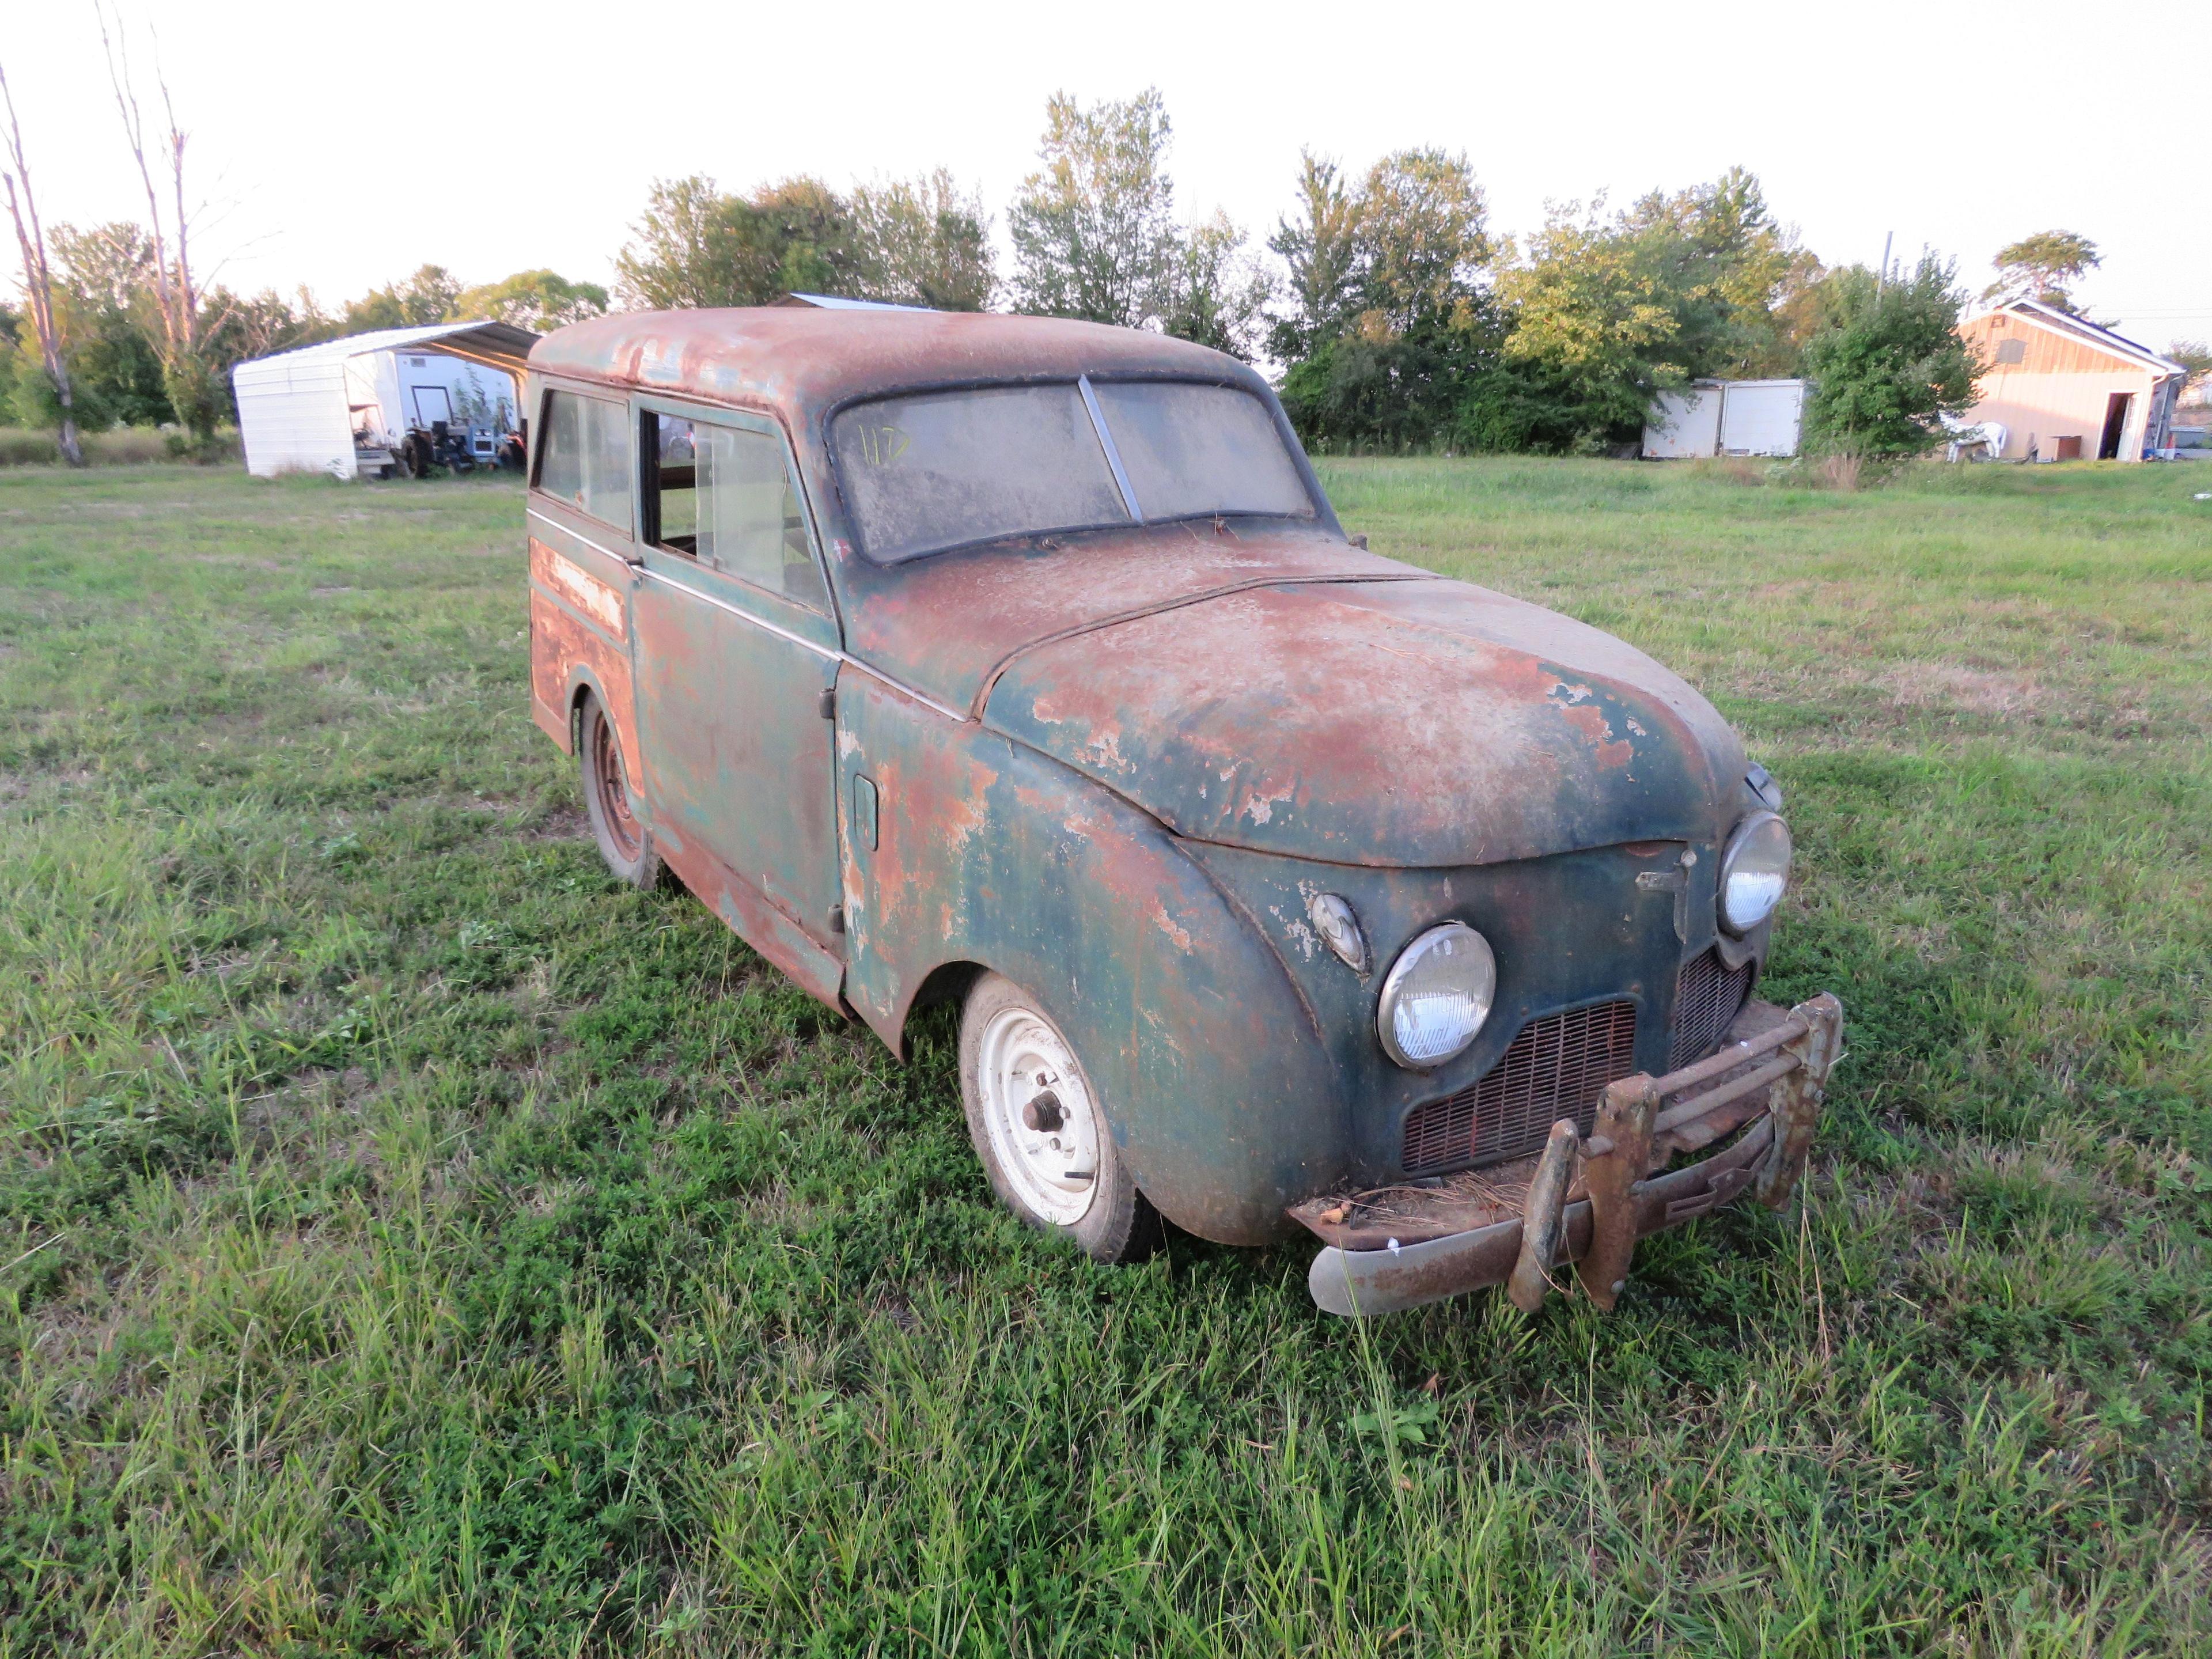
(1393, 314)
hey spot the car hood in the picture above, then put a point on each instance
(947, 625)
(1406, 721)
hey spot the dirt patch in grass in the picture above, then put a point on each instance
(1954, 685)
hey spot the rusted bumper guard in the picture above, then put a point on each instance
(1588, 1200)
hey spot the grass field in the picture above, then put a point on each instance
(413, 1243)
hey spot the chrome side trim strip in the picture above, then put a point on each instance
(828, 653)
(619, 558)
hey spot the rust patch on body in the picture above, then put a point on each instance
(595, 598)
(1588, 718)
(565, 649)
(1168, 925)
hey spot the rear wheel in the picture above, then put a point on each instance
(1039, 1128)
(625, 842)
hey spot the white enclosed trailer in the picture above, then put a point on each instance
(1727, 417)
(345, 406)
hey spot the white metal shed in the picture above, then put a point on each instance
(341, 407)
(1726, 417)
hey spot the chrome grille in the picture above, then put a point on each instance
(1707, 998)
(1558, 1066)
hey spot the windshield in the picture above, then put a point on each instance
(945, 469)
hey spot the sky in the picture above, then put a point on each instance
(340, 147)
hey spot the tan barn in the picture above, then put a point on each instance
(2064, 389)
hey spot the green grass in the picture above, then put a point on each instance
(413, 1243)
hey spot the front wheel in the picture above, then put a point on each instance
(1039, 1131)
(624, 842)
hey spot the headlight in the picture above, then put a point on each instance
(1754, 871)
(1437, 995)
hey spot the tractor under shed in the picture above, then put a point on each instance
(344, 407)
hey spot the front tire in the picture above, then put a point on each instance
(625, 841)
(1041, 1131)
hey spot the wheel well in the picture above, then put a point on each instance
(947, 983)
(576, 696)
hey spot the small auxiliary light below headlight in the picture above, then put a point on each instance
(1436, 996)
(1755, 870)
(1334, 920)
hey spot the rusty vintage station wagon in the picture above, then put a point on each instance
(1023, 663)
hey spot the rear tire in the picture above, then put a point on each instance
(625, 840)
(1036, 1123)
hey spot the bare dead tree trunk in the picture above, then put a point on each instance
(38, 279)
(185, 373)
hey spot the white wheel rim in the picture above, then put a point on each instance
(1054, 1171)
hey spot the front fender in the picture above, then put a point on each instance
(977, 849)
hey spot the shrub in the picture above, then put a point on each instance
(127, 446)
(1887, 362)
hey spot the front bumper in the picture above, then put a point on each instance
(1589, 1201)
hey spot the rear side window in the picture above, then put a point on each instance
(585, 460)
(723, 496)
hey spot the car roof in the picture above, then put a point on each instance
(803, 362)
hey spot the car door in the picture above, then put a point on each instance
(736, 652)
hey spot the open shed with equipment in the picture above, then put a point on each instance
(398, 398)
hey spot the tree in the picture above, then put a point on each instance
(104, 294)
(1420, 241)
(11, 351)
(192, 392)
(802, 239)
(431, 294)
(922, 242)
(1217, 295)
(1320, 247)
(248, 326)
(2039, 267)
(37, 281)
(1888, 363)
(1593, 320)
(1094, 229)
(2193, 356)
(541, 301)
(697, 245)
(682, 253)
(1734, 278)
(1392, 323)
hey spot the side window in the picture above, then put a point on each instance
(585, 460)
(725, 496)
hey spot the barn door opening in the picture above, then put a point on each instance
(2115, 424)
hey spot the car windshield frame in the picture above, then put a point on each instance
(1315, 510)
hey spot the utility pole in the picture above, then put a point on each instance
(1882, 282)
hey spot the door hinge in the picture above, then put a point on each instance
(825, 702)
(836, 918)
